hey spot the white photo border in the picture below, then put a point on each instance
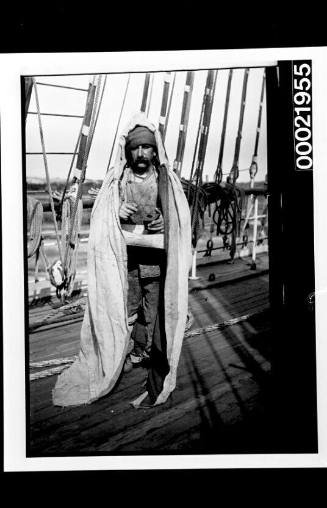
(14, 66)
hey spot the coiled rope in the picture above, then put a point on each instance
(228, 212)
(189, 191)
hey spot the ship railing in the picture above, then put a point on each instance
(254, 217)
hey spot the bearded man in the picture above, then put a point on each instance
(141, 211)
(139, 255)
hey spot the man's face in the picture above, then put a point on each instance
(142, 157)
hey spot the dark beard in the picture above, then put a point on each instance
(141, 169)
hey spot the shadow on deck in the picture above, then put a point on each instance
(221, 403)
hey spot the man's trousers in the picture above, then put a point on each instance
(146, 276)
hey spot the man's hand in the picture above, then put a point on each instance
(126, 210)
(157, 225)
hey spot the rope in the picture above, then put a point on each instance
(70, 169)
(34, 222)
(46, 168)
(196, 143)
(145, 92)
(229, 207)
(222, 325)
(118, 123)
(259, 115)
(202, 151)
(74, 206)
(218, 173)
(253, 169)
(71, 309)
(28, 93)
(212, 190)
(50, 363)
(75, 308)
(169, 108)
(188, 89)
(48, 372)
(62, 273)
(79, 137)
(44, 256)
(234, 172)
(206, 119)
(228, 211)
(70, 241)
(150, 96)
(100, 103)
(189, 191)
(96, 111)
(63, 363)
(69, 306)
(164, 102)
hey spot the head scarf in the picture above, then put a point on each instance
(140, 135)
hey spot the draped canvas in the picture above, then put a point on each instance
(105, 329)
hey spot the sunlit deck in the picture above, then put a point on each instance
(221, 400)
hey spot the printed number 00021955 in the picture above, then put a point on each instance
(302, 107)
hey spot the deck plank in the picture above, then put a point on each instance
(219, 404)
(208, 367)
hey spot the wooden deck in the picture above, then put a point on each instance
(220, 404)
